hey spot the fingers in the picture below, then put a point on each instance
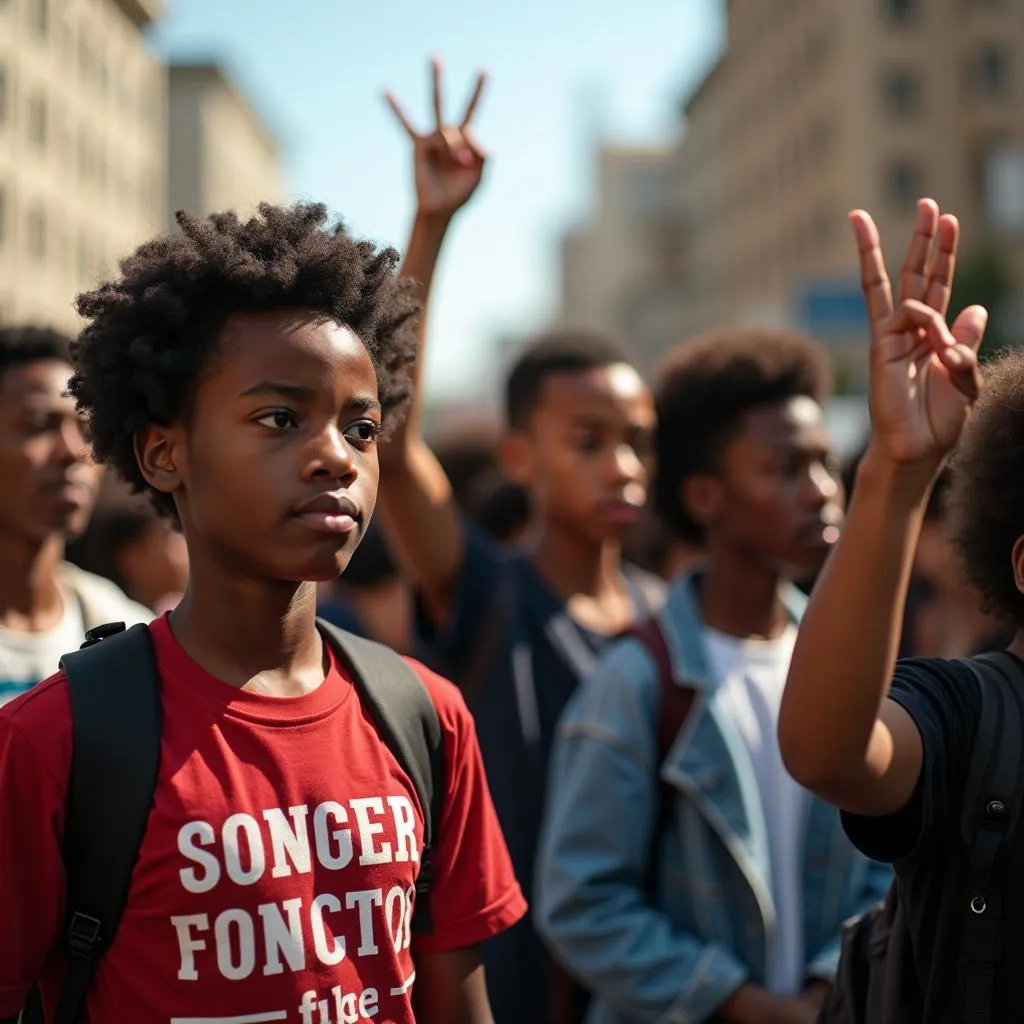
(961, 364)
(435, 76)
(914, 274)
(874, 281)
(478, 88)
(392, 102)
(940, 273)
(969, 327)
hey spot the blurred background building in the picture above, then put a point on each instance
(221, 155)
(96, 139)
(813, 109)
(82, 148)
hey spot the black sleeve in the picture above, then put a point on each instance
(943, 699)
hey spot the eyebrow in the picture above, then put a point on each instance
(301, 393)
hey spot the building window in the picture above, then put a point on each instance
(37, 233)
(3, 94)
(902, 12)
(41, 17)
(3, 215)
(988, 73)
(37, 121)
(901, 92)
(904, 182)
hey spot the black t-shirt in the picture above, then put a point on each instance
(924, 843)
(518, 656)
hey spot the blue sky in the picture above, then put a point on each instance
(560, 74)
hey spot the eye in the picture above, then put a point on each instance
(588, 442)
(278, 419)
(363, 432)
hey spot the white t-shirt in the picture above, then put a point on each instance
(753, 675)
(28, 658)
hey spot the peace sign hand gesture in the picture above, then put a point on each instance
(924, 374)
(448, 161)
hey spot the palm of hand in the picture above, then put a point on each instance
(916, 406)
(924, 376)
(443, 181)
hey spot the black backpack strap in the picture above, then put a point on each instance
(407, 719)
(990, 811)
(116, 728)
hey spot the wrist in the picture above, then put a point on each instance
(432, 221)
(903, 485)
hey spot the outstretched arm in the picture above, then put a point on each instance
(419, 512)
(839, 734)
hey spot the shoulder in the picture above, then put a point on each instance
(39, 723)
(446, 697)
(102, 600)
(937, 689)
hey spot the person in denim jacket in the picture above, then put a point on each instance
(733, 910)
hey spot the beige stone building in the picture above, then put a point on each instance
(82, 148)
(222, 156)
(814, 109)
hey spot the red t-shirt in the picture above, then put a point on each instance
(274, 881)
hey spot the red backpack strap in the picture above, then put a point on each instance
(674, 702)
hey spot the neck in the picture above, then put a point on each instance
(573, 565)
(30, 592)
(244, 630)
(1017, 647)
(740, 599)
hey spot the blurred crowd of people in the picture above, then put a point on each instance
(615, 584)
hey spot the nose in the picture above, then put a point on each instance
(823, 487)
(626, 464)
(330, 456)
(71, 445)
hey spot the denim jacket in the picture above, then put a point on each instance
(711, 926)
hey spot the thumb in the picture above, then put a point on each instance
(969, 327)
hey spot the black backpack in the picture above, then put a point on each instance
(877, 982)
(117, 723)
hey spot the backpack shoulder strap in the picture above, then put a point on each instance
(674, 705)
(116, 728)
(674, 701)
(407, 719)
(990, 811)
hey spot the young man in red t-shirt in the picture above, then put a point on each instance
(241, 373)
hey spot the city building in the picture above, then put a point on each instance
(222, 156)
(813, 110)
(622, 271)
(82, 148)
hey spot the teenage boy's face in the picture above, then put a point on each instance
(276, 472)
(779, 499)
(587, 454)
(49, 484)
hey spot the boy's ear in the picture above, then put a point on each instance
(517, 457)
(701, 496)
(1018, 563)
(160, 453)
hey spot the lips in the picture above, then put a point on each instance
(332, 512)
(621, 512)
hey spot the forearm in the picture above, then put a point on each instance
(420, 263)
(849, 636)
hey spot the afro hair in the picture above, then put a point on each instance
(704, 389)
(31, 344)
(150, 335)
(985, 499)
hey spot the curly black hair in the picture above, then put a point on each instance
(705, 387)
(28, 343)
(985, 500)
(557, 351)
(151, 334)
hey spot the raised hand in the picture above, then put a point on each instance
(924, 374)
(448, 161)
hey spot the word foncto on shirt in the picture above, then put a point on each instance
(293, 934)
